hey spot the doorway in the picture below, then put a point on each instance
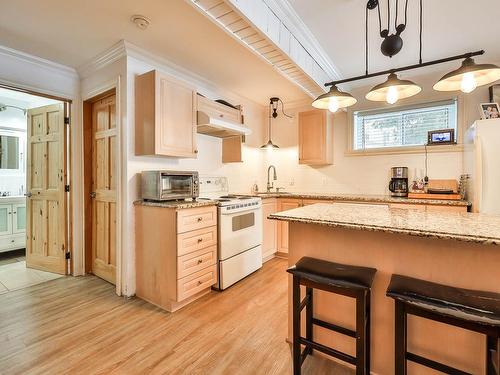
(33, 194)
(100, 180)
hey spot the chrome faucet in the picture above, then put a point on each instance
(270, 185)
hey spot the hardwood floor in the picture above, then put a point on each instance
(78, 325)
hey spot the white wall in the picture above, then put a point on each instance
(365, 174)
(209, 161)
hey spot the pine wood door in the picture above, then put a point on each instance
(46, 240)
(104, 188)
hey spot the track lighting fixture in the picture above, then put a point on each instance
(466, 78)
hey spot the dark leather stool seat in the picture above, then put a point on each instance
(340, 275)
(474, 310)
(351, 281)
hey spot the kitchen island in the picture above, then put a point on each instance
(457, 249)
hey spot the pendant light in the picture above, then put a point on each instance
(334, 99)
(469, 76)
(393, 90)
(273, 113)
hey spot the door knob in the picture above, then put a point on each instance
(28, 194)
(93, 195)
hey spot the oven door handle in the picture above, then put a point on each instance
(239, 212)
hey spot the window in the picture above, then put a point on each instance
(402, 127)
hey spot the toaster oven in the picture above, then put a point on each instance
(169, 185)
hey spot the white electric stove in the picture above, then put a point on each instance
(240, 231)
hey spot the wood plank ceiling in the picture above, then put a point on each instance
(237, 25)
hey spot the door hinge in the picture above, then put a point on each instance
(66, 188)
(66, 121)
(68, 255)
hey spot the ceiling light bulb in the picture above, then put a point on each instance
(468, 83)
(333, 106)
(392, 95)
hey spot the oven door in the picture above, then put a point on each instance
(176, 186)
(239, 231)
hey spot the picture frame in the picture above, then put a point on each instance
(494, 94)
(489, 111)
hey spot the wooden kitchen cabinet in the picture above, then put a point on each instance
(176, 254)
(165, 116)
(315, 137)
(269, 228)
(283, 205)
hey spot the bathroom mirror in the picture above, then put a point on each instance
(9, 152)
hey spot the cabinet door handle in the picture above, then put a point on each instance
(200, 261)
(200, 219)
(200, 240)
(199, 282)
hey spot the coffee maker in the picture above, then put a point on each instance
(399, 182)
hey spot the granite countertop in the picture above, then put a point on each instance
(177, 204)
(364, 198)
(463, 226)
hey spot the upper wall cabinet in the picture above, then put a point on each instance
(315, 138)
(165, 116)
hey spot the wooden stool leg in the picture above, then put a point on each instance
(492, 355)
(309, 317)
(368, 330)
(400, 341)
(361, 325)
(296, 325)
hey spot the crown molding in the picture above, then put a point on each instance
(107, 57)
(38, 61)
(298, 28)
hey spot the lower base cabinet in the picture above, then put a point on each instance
(269, 228)
(12, 223)
(176, 254)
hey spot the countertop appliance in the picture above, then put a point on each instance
(398, 185)
(481, 156)
(240, 231)
(169, 185)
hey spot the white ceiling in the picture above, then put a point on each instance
(73, 32)
(451, 27)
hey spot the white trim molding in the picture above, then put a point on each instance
(35, 60)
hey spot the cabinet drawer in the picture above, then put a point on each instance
(192, 284)
(196, 218)
(16, 242)
(196, 240)
(196, 261)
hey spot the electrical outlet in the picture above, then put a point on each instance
(292, 182)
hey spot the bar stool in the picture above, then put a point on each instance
(474, 310)
(351, 281)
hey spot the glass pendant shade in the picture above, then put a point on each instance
(269, 145)
(334, 99)
(393, 90)
(469, 76)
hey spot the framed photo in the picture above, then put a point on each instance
(495, 94)
(489, 111)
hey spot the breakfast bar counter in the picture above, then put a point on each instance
(450, 248)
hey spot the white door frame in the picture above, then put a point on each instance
(114, 84)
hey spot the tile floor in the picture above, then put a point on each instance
(14, 275)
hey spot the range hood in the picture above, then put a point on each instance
(218, 127)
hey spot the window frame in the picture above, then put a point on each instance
(458, 147)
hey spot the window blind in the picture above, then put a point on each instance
(402, 127)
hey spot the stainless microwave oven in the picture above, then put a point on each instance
(169, 185)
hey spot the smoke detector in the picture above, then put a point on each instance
(141, 22)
